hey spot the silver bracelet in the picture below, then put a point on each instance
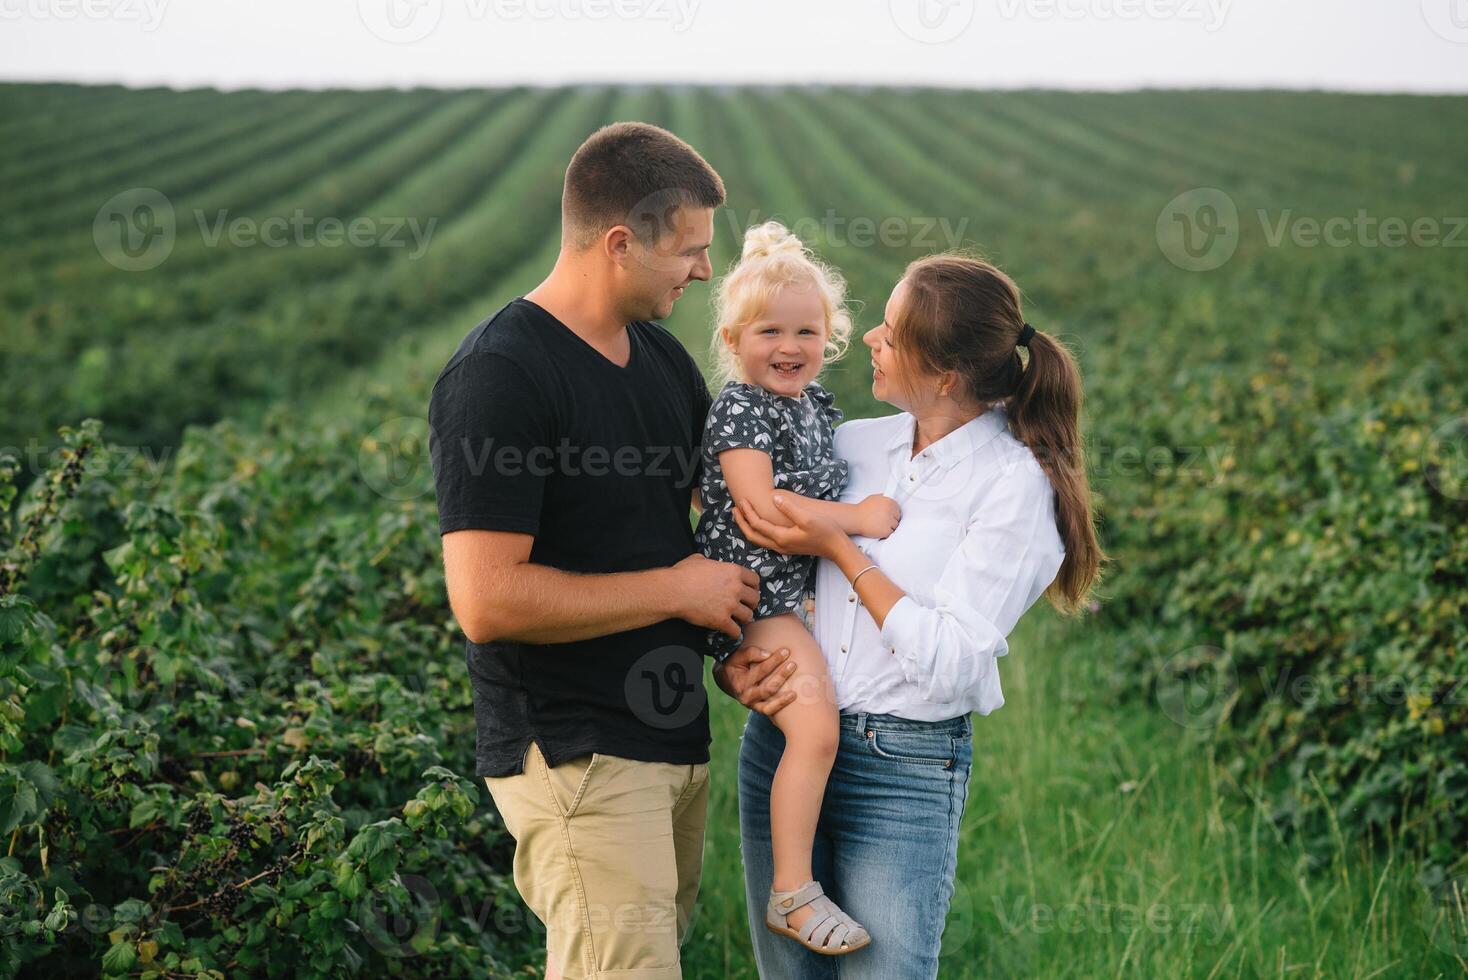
(861, 573)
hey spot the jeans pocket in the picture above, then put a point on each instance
(919, 748)
(566, 782)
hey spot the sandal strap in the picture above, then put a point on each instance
(828, 927)
(786, 902)
(831, 929)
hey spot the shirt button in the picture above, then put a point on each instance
(851, 597)
(843, 648)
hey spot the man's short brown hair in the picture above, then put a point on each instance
(632, 173)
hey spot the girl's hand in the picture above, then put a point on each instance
(808, 532)
(879, 516)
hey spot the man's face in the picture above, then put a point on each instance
(659, 271)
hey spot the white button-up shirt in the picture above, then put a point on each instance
(976, 547)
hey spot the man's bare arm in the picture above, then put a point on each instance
(497, 593)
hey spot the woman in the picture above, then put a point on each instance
(985, 460)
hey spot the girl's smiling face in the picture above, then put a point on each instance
(784, 349)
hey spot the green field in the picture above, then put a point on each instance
(223, 626)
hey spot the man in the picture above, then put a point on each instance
(564, 436)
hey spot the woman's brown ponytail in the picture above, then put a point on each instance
(1045, 414)
(963, 314)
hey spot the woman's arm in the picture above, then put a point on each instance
(877, 592)
(811, 532)
(751, 478)
(1009, 554)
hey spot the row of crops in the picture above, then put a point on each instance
(231, 711)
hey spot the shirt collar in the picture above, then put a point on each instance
(956, 445)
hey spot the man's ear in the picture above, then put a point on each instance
(617, 243)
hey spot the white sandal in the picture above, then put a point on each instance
(839, 933)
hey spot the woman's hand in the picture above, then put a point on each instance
(808, 533)
(756, 678)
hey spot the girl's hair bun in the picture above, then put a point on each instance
(768, 239)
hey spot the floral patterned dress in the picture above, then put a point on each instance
(798, 434)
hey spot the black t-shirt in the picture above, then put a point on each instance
(531, 429)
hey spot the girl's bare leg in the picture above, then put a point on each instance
(811, 727)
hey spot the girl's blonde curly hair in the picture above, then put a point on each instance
(773, 259)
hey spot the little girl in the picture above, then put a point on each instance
(780, 313)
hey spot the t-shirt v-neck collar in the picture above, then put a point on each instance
(631, 339)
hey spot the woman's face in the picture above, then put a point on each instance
(890, 380)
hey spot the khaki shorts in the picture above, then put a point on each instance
(608, 853)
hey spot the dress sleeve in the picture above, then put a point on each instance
(1009, 555)
(827, 402)
(739, 419)
(827, 479)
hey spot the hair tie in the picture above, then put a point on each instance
(1025, 335)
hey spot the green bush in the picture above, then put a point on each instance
(232, 726)
(1303, 600)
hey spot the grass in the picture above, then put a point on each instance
(1105, 841)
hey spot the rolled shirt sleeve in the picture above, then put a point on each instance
(1009, 555)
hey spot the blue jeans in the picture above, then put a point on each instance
(886, 844)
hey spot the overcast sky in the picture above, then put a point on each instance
(1371, 45)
